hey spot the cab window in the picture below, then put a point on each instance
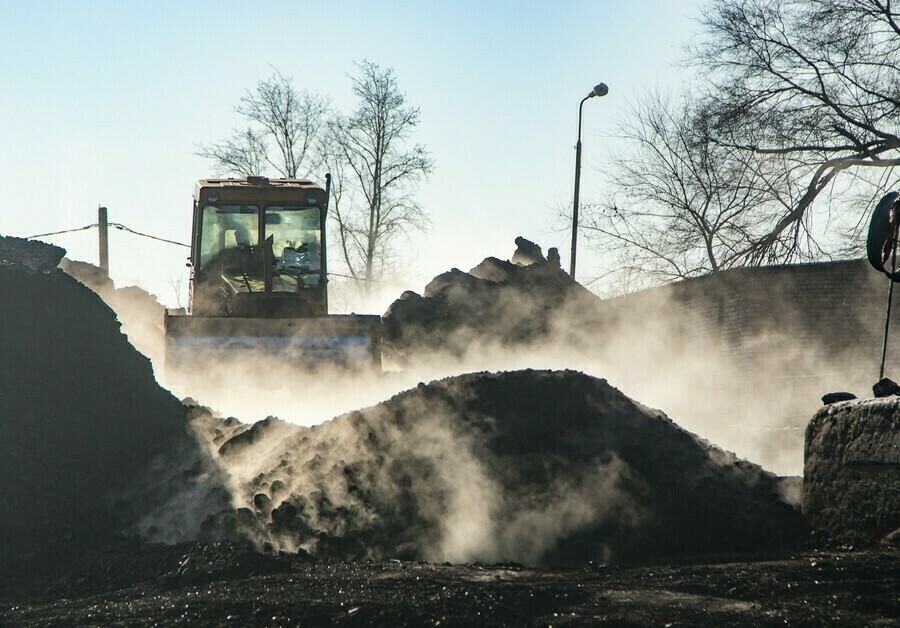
(296, 246)
(226, 227)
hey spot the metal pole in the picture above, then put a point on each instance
(887, 318)
(103, 225)
(323, 280)
(577, 186)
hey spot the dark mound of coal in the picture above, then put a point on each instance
(537, 467)
(33, 256)
(498, 301)
(80, 413)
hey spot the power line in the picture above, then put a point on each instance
(379, 281)
(122, 227)
(42, 235)
(347, 276)
(117, 225)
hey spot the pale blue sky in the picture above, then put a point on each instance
(104, 102)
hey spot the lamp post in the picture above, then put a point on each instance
(599, 90)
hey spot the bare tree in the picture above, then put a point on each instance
(176, 283)
(376, 172)
(681, 206)
(815, 83)
(284, 126)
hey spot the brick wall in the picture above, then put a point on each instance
(833, 311)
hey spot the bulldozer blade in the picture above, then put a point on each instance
(349, 341)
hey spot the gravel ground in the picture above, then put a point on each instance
(224, 583)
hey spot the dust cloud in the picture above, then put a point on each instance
(139, 312)
(747, 379)
(752, 395)
(537, 467)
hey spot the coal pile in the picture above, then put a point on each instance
(537, 467)
(80, 413)
(501, 302)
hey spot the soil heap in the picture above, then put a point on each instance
(80, 413)
(500, 302)
(537, 467)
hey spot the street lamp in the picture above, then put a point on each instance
(599, 90)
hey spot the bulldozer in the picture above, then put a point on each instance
(259, 282)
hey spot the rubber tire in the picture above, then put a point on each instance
(880, 234)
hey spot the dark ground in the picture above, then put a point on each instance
(221, 583)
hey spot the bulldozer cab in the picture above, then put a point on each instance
(259, 286)
(258, 248)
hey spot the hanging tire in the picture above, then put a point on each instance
(880, 241)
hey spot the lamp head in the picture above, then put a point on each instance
(601, 89)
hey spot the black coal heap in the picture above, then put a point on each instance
(80, 412)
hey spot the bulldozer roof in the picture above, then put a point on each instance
(257, 182)
(253, 188)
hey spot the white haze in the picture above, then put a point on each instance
(759, 421)
(759, 415)
(472, 516)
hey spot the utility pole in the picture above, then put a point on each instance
(103, 226)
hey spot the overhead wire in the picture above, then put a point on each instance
(116, 225)
(42, 235)
(121, 227)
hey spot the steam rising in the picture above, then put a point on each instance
(424, 476)
(534, 467)
(644, 344)
(752, 396)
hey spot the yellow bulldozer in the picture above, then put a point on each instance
(259, 282)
